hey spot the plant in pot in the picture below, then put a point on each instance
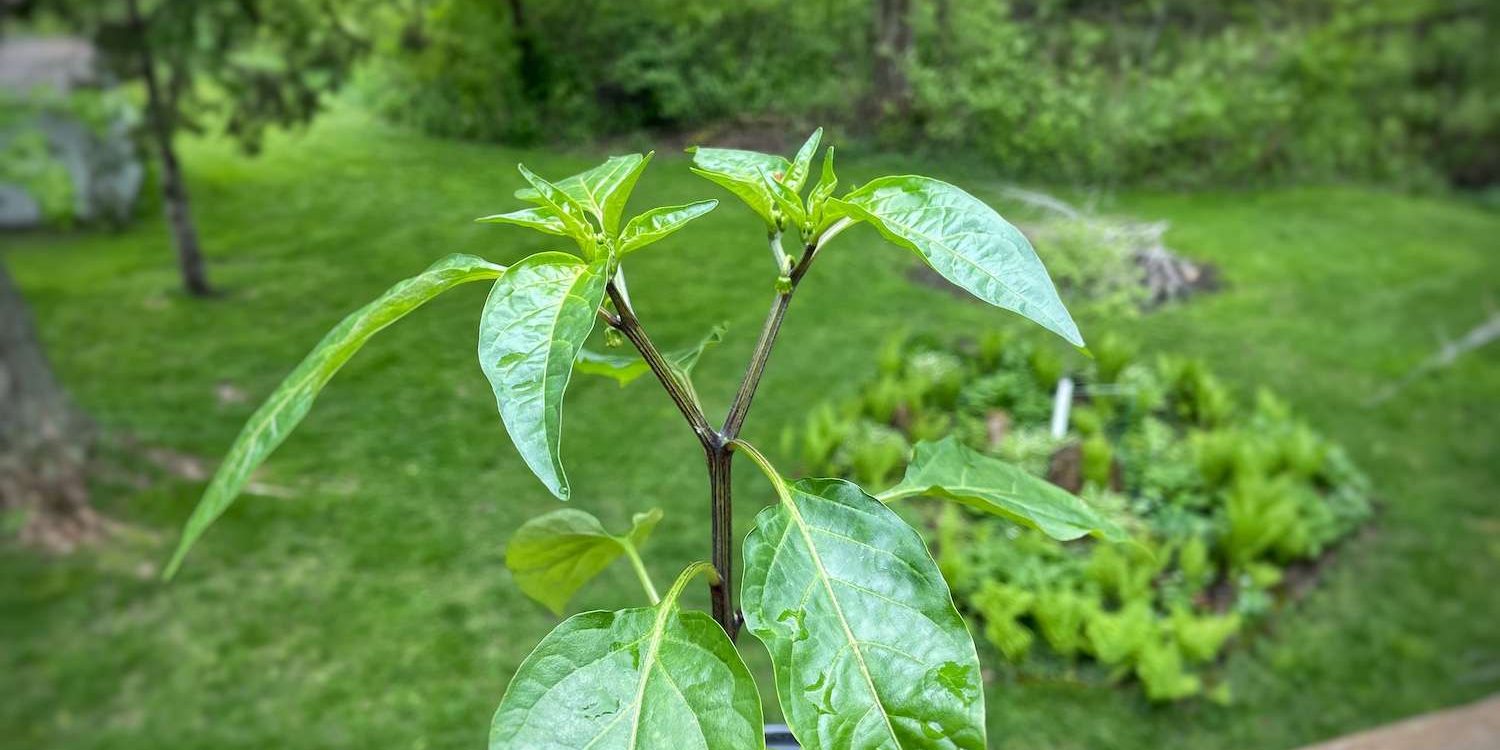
(868, 648)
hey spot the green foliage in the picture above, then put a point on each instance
(948, 470)
(1141, 91)
(1216, 499)
(291, 400)
(534, 324)
(823, 608)
(553, 555)
(26, 160)
(811, 593)
(967, 243)
(590, 683)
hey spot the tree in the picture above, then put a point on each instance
(43, 439)
(244, 65)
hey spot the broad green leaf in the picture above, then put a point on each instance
(536, 319)
(739, 171)
(564, 207)
(786, 199)
(796, 177)
(868, 648)
(625, 368)
(949, 470)
(657, 223)
(553, 555)
(290, 402)
(540, 219)
(965, 241)
(653, 678)
(602, 190)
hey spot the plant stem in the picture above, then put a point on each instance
(721, 508)
(627, 324)
(640, 572)
(716, 444)
(740, 407)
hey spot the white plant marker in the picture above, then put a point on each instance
(1062, 403)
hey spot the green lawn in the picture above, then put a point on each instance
(373, 609)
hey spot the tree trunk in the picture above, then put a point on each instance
(890, 92)
(173, 188)
(43, 440)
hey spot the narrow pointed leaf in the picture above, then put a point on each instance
(796, 177)
(868, 648)
(538, 218)
(602, 190)
(564, 207)
(949, 470)
(738, 172)
(786, 199)
(657, 223)
(964, 240)
(553, 555)
(536, 319)
(625, 368)
(652, 678)
(290, 402)
(827, 181)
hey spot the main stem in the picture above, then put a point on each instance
(717, 444)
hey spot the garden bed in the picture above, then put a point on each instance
(1231, 506)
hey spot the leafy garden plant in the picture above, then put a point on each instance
(868, 648)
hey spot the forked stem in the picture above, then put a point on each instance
(718, 444)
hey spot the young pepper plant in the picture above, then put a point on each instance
(868, 648)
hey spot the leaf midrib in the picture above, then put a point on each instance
(854, 644)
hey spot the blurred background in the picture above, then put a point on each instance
(1277, 222)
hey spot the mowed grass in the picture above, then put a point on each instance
(370, 607)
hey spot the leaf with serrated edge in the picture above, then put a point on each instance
(602, 190)
(966, 242)
(541, 219)
(553, 555)
(652, 678)
(868, 648)
(949, 470)
(290, 402)
(656, 224)
(625, 368)
(536, 319)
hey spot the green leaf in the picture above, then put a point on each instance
(738, 172)
(625, 368)
(827, 181)
(657, 223)
(796, 177)
(553, 555)
(868, 648)
(965, 241)
(602, 190)
(536, 319)
(565, 208)
(786, 199)
(290, 402)
(637, 679)
(540, 219)
(949, 470)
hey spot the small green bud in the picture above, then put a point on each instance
(783, 284)
(613, 339)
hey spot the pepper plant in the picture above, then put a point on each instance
(868, 648)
